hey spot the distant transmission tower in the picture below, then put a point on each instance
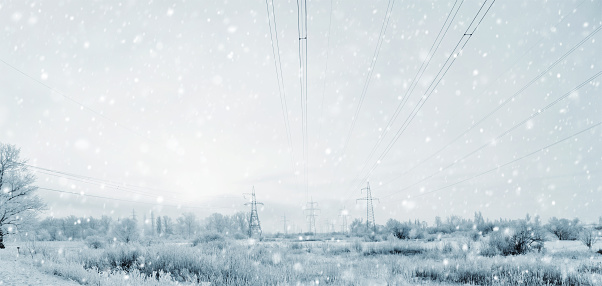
(311, 208)
(285, 225)
(254, 225)
(369, 208)
(344, 215)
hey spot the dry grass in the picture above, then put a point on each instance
(286, 262)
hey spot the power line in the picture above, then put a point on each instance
(432, 86)
(414, 81)
(504, 102)
(81, 105)
(102, 183)
(510, 162)
(326, 72)
(383, 30)
(302, 32)
(533, 115)
(376, 52)
(130, 201)
(280, 79)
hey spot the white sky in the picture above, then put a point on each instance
(190, 106)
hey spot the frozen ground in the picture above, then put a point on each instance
(16, 271)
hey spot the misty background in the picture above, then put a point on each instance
(182, 99)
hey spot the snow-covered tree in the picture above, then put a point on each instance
(187, 224)
(126, 230)
(18, 201)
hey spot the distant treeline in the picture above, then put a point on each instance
(236, 226)
(562, 229)
(185, 226)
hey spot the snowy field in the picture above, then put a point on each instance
(453, 260)
(17, 270)
(317, 142)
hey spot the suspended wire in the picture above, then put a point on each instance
(132, 201)
(103, 183)
(280, 78)
(508, 131)
(502, 104)
(380, 40)
(326, 73)
(81, 105)
(464, 38)
(508, 163)
(414, 82)
(306, 114)
(302, 32)
(383, 30)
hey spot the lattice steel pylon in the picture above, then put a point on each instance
(311, 208)
(254, 224)
(344, 214)
(369, 208)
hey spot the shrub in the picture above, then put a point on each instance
(95, 242)
(564, 229)
(447, 248)
(486, 227)
(208, 237)
(239, 236)
(296, 245)
(588, 237)
(519, 239)
(357, 245)
(475, 235)
(398, 229)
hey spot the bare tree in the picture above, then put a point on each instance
(18, 201)
(188, 223)
(126, 230)
(167, 225)
(589, 237)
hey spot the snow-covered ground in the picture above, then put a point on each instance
(17, 271)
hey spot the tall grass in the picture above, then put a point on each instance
(506, 272)
(227, 262)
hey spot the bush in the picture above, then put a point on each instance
(239, 236)
(588, 237)
(208, 237)
(399, 230)
(296, 245)
(475, 235)
(357, 245)
(564, 229)
(519, 239)
(447, 248)
(95, 242)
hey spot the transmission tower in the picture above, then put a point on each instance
(369, 208)
(311, 217)
(344, 214)
(285, 226)
(254, 225)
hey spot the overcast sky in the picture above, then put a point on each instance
(183, 98)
